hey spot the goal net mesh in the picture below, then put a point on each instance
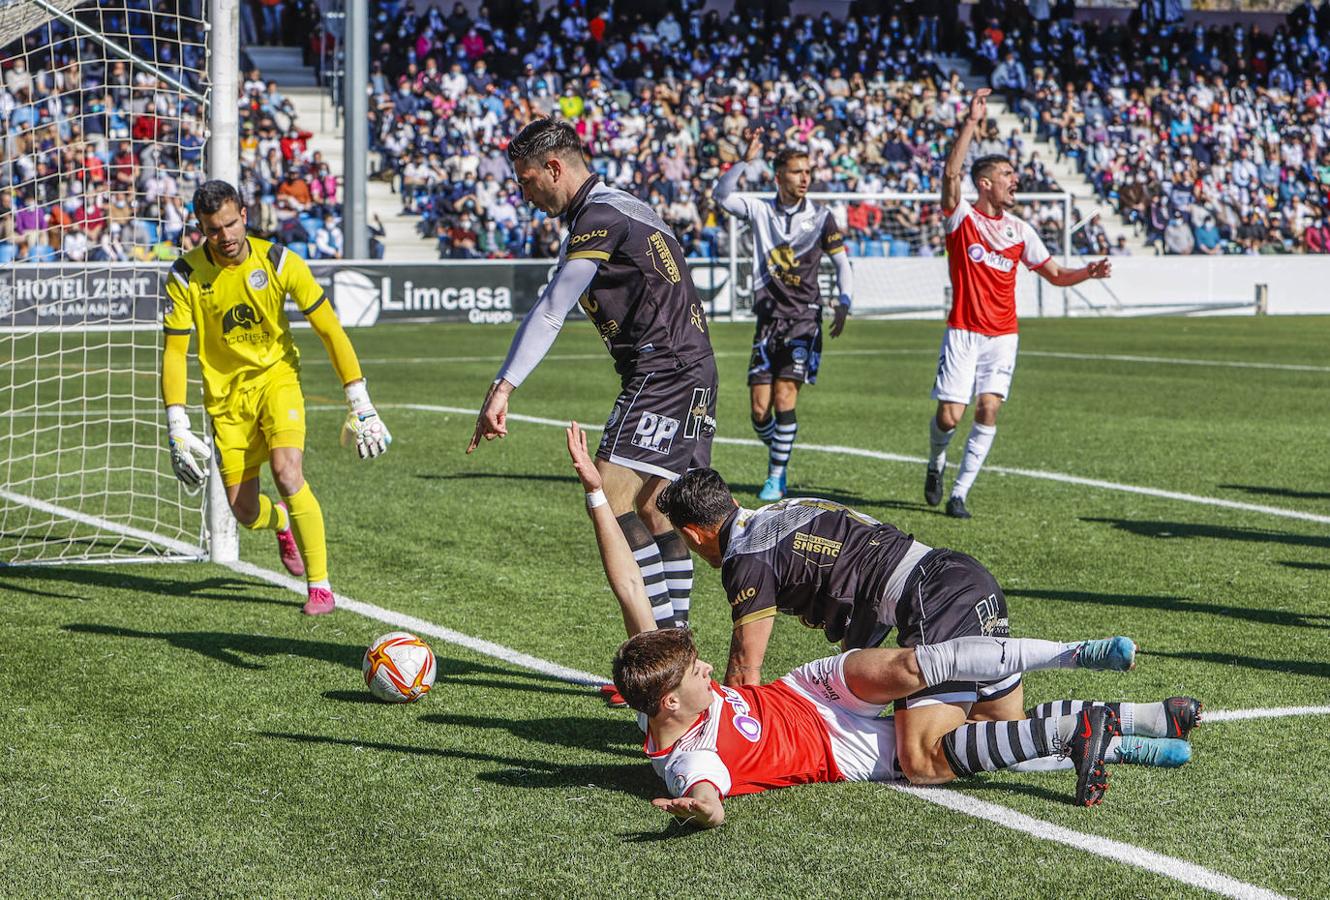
(102, 133)
(897, 244)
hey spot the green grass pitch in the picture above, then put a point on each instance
(181, 730)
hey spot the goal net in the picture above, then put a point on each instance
(103, 127)
(897, 246)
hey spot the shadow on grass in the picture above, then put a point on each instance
(221, 587)
(637, 780)
(227, 647)
(1000, 786)
(1180, 604)
(1270, 491)
(1313, 668)
(1219, 532)
(1308, 566)
(502, 476)
(746, 490)
(619, 737)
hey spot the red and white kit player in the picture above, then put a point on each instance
(985, 242)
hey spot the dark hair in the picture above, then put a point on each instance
(545, 136)
(701, 497)
(210, 196)
(786, 156)
(984, 165)
(649, 665)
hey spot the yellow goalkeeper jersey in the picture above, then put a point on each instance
(244, 335)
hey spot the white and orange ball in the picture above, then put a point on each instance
(399, 667)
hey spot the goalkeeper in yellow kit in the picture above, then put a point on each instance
(232, 289)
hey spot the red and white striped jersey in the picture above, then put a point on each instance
(748, 740)
(982, 253)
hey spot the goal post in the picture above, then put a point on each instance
(897, 244)
(105, 129)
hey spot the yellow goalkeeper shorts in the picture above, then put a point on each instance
(258, 418)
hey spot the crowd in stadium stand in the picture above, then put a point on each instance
(1208, 139)
(99, 161)
(1230, 160)
(664, 102)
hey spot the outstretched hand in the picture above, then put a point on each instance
(492, 422)
(583, 464)
(979, 105)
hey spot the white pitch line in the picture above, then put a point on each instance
(421, 626)
(1176, 869)
(919, 460)
(891, 351)
(1167, 866)
(1238, 715)
(103, 524)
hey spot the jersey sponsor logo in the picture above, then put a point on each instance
(744, 596)
(242, 315)
(698, 421)
(989, 258)
(588, 303)
(680, 781)
(822, 679)
(258, 279)
(781, 262)
(990, 620)
(588, 235)
(743, 721)
(655, 432)
(695, 315)
(662, 259)
(814, 543)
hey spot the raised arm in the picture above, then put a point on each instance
(953, 173)
(730, 180)
(533, 340)
(621, 568)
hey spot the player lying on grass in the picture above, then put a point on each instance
(857, 579)
(822, 722)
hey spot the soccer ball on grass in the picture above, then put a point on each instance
(399, 667)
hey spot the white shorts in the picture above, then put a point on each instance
(863, 743)
(970, 364)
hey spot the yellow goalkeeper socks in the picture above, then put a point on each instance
(307, 522)
(271, 517)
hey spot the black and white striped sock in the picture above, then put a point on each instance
(782, 441)
(678, 564)
(1143, 719)
(989, 746)
(648, 559)
(765, 430)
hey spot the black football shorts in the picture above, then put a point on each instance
(663, 422)
(786, 348)
(951, 595)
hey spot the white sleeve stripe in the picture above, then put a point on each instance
(184, 282)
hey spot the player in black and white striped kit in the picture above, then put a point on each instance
(623, 266)
(791, 235)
